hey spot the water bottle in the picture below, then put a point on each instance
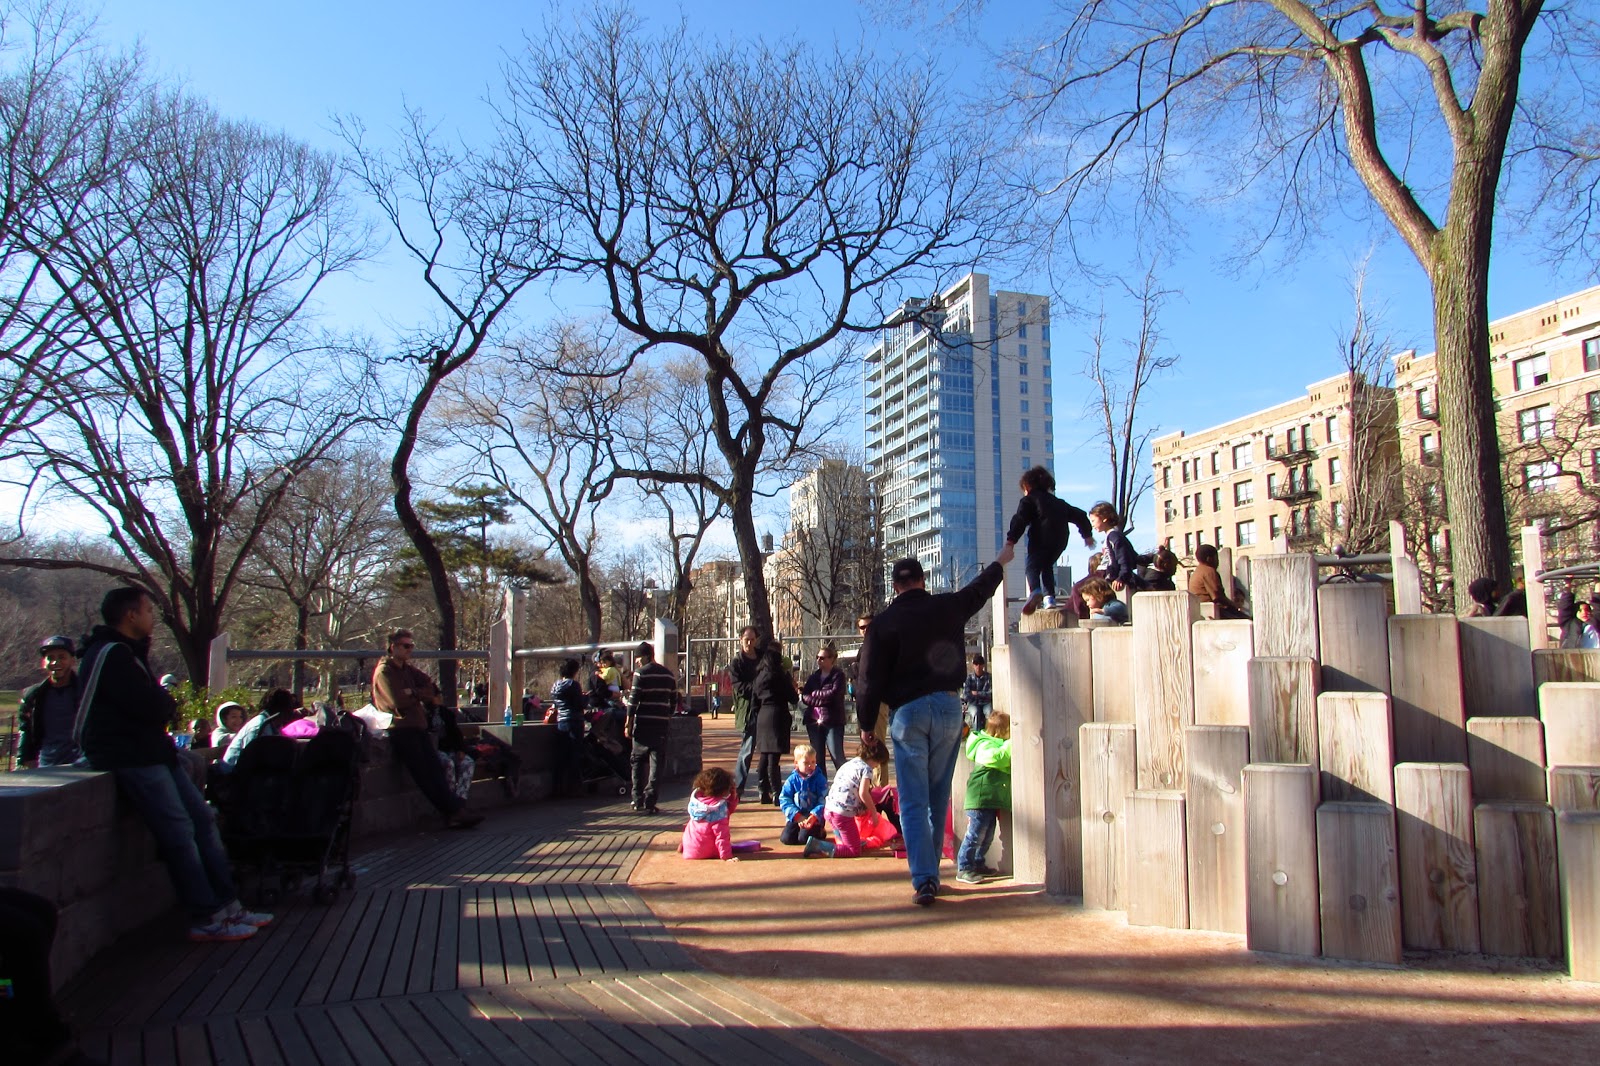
(508, 714)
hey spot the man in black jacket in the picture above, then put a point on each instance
(122, 727)
(914, 660)
(650, 706)
(49, 709)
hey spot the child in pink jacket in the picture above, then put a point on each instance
(707, 835)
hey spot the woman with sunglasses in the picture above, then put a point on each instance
(823, 697)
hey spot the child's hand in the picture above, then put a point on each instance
(1088, 542)
(731, 858)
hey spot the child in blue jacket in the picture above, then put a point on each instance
(802, 798)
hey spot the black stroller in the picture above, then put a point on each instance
(286, 811)
(605, 752)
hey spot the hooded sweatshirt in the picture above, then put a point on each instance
(804, 795)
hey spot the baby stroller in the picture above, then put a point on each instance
(286, 812)
(605, 752)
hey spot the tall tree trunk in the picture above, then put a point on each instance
(302, 626)
(411, 522)
(751, 561)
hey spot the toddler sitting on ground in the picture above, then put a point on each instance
(707, 835)
(802, 798)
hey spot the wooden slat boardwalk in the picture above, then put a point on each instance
(518, 942)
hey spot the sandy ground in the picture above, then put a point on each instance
(1003, 970)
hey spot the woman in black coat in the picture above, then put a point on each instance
(773, 693)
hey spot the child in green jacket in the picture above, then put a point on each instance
(988, 793)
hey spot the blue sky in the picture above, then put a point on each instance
(1245, 342)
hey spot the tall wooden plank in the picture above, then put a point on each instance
(1027, 703)
(1214, 810)
(1519, 895)
(1571, 715)
(1281, 896)
(1438, 870)
(1222, 651)
(1355, 748)
(1430, 724)
(1069, 702)
(1359, 880)
(1283, 709)
(1163, 679)
(1497, 668)
(1000, 667)
(1532, 563)
(1114, 667)
(1507, 759)
(1283, 591)
(1158, 892)
(1110, 773)
(1352, 624)
(1575, 788)
(1565, 664)
(1578, 844)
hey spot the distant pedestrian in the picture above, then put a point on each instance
(773, 694)
(48, 710)
(1046, 519)
(977, 693)
(742, 674)
(650, 707)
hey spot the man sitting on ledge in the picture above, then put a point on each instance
(402, 690)
(122, 727)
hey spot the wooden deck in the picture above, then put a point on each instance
(518, 942)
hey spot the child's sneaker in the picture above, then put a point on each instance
(236, 913)
(969, 877)
(1051, 603)
(1031, 604)
(816, 846)
(221, 929)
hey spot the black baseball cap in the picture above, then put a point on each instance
(906, 570)
(57, 641)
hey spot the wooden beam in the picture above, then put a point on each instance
(1283, 709)
(1163, 679)
(1359, 880)
(1496, 668)
(1533, 588)
(1578, 844)
(1028, 709)
(1571, 715)
(1000, 667)
(1222, 651)
(1575, 788)
(1355, 748)
(1406, 577)
(1282, 903)
(1430, 724)
(1284, 593)
(1114, 666)
(1214, 809)
(1158, 890)
(1109, 774)
(1519, 896)
(1069, 705)
(1565, 664)
(1352, 622)
(1438, 872)
(1046, 619)
(1507, 759)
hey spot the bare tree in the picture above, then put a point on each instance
(185, 406)
(1552, 475)
(1119, 385)
(835, 544)
(1291, 99)
(756, 206)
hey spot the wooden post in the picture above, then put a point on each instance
(1163, 696)
(1214, 809)
(1430, 724)
(1283, 710)
(1532, 566)
(217, 664)
(499, 668)
(1222, 651)
(1241, 575)
(1284, 591)
(1507, 759)
(1225, 570)
(1027, 757)
(1358, 874)
(1109, 773)
(1578, 843)
(999, 618)
(1438, 874)
(1114, 668)
(1565, 664)
(1282, 905)
(1158, 891)
(664, 638)
(1000, 667)
(1352, 622)
(1068, 686)
(1575, 788)
(1355, 749)
(1047, 618)
(1496, 668)
(1519, 897)
(1571, 715)
(517, 608)
(1407, 578)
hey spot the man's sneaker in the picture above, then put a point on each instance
(969, 877)
(926, 893)
(1032, 602)
(221, 930)
(237, 914)
(816, 846)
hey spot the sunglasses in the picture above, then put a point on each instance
(406, 644)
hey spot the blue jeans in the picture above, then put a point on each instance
(827, 740)
(741, 772)
(1040, 567)
(186, 832)
(980, 835)
(927, 734)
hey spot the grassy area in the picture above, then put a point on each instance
(8, 724)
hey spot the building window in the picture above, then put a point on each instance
(1427, 404)
(1188, 544)
(1022, 368)
(1186, 471)
(1531, 372)
(1216, 468)
(1441, 543)
(1274, 526)
(1305, 435)
(1292, 440)
(1197, 502)
(1022, 387)
(1429, 447)
(1024, 406)
(1216, 536)
(1022, 331)
(1336, 514)
(1027, 446)
(1044, 333)
(1335, 471)
(1166, 476)
(1591, 354)
(1540, 477)
(1536, 422)
(1594, 408)
(1330, 426)
(1244, 492)
(1272, 485)
(1046, 371)
(1169, 511)
(1216, 499)
(1241, 456)
(1025, 428)
(1272, 445)
(1246, 533)
(1594, 465)
(1022, 310)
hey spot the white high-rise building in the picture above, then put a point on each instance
(958, 405)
